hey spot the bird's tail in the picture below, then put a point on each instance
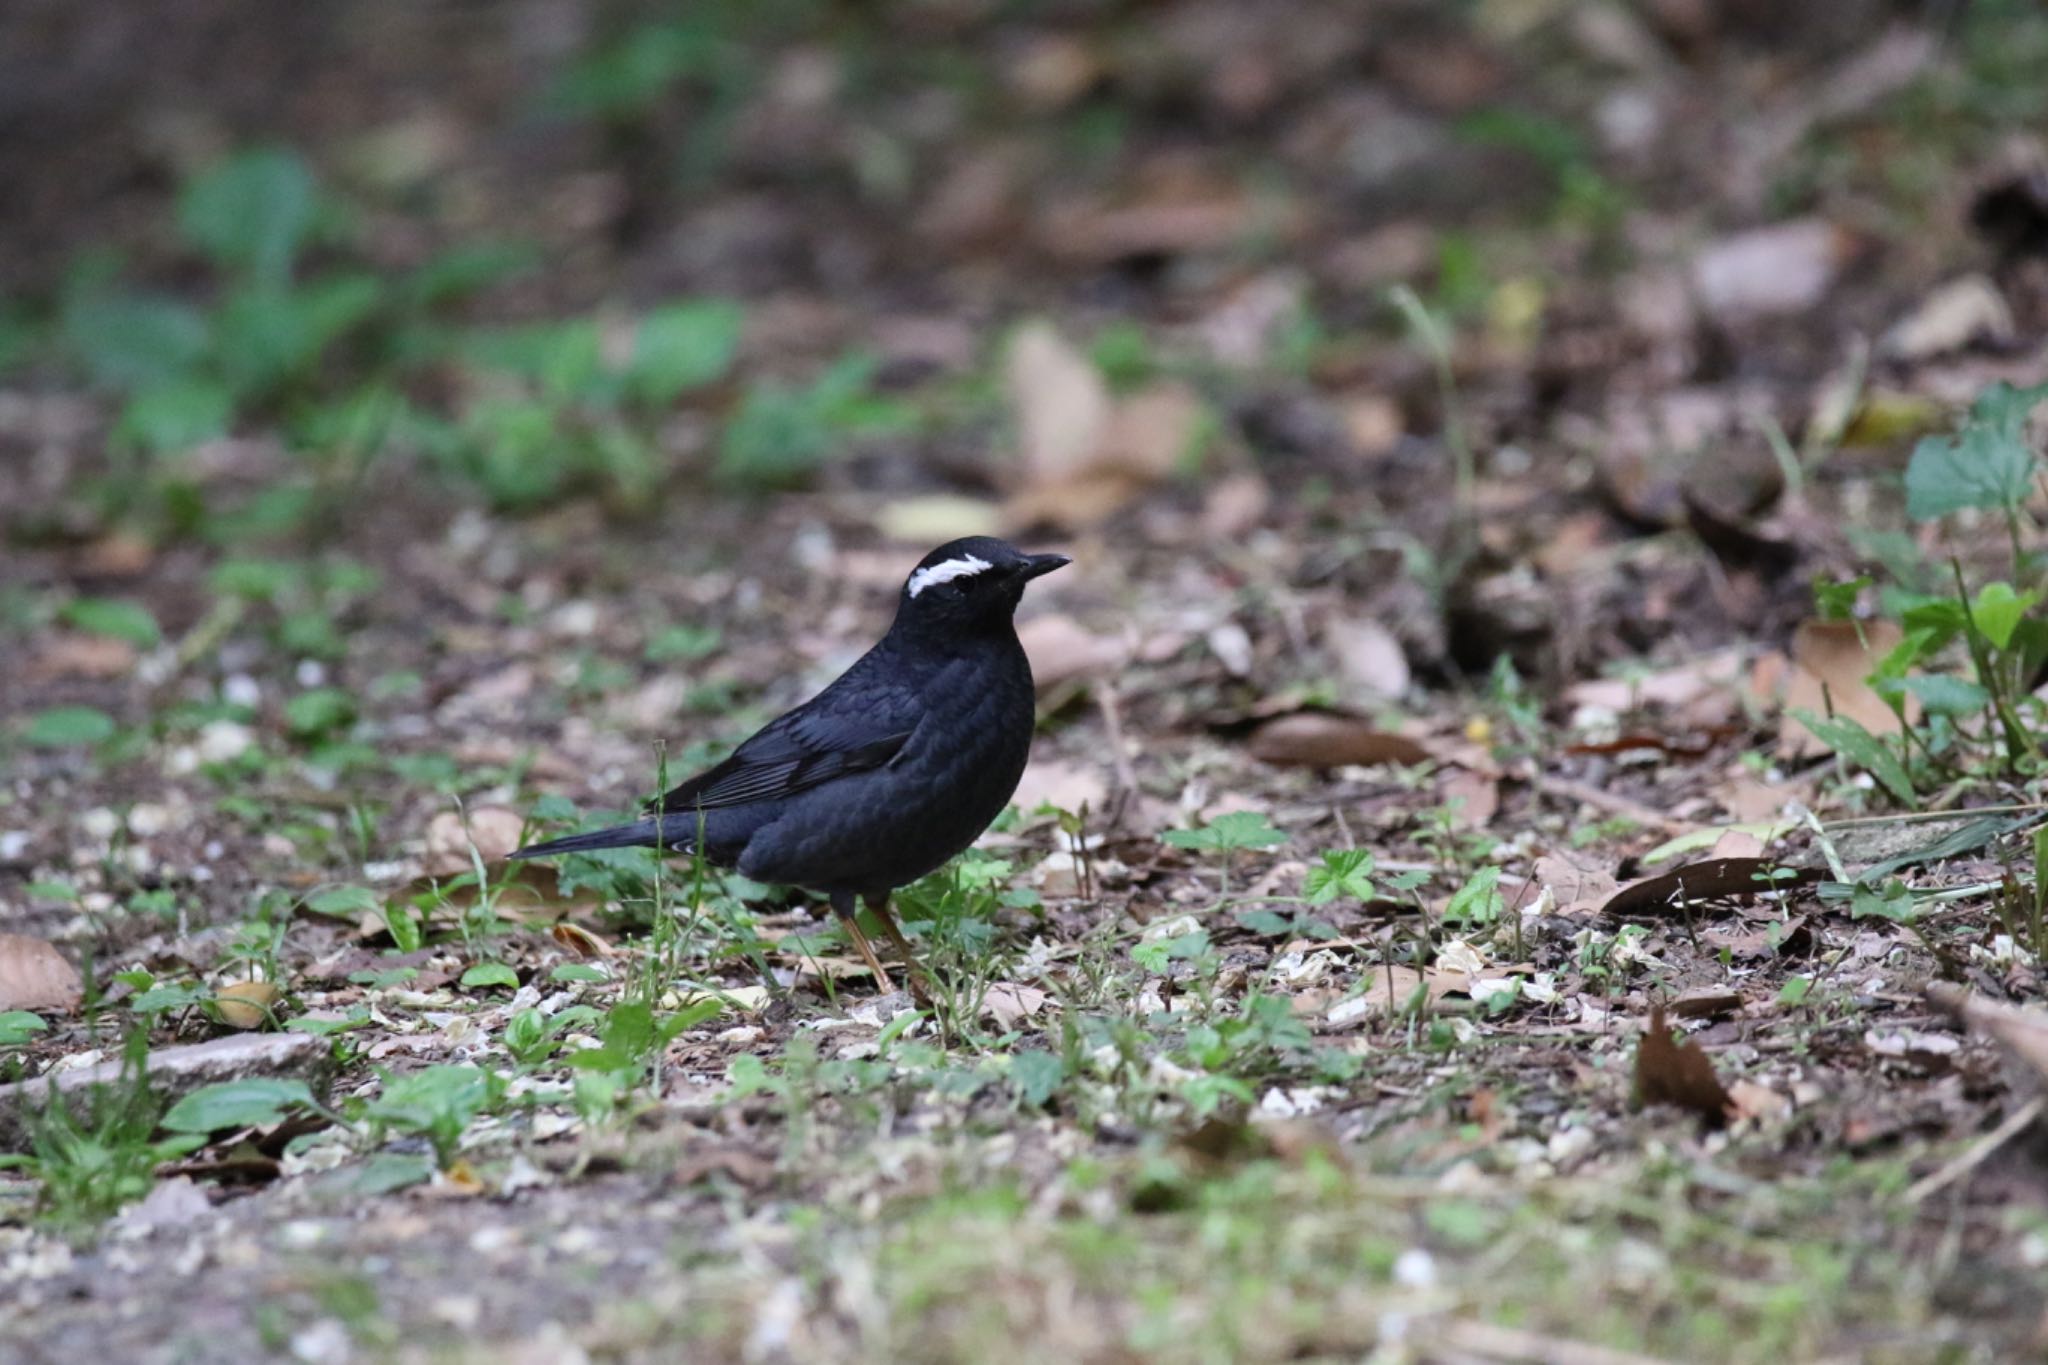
(639, 834)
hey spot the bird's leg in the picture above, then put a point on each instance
(843, 906)
(880, 906)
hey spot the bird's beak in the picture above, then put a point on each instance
(1037, 566)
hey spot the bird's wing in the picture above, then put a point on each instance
(811, 745)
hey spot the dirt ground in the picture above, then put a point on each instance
(1477, 430)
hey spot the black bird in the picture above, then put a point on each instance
(895, 767)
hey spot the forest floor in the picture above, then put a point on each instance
(1534, 849)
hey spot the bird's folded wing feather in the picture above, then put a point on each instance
(798, 752)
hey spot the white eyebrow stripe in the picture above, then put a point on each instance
(946, 571)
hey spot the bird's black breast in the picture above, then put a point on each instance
(875, 830)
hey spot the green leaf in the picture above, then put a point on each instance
(776, 439)
(491, 974)
(1344, 872)
(343, 902)
(321, 1028)
(1035, 1077)
(683, 347)
(1478, 901)
(130, 341)
(466, 268)
(18, 1026)
(1154, 955)
(1795, 990)
(404, 927)
(1893, 901)
(176, 414)
(1998, 611)
(685, 643)
(439, 1094)
(564, 358)
(256, 579)
(389, 1172)
(1945, 695)
(253, 1102)
(128, 621)
(577, 971)
(1267, 922)
(1836, 600)
(162, 999)
(1238, 829)
(313, 714)
(268, 333)
(1856, 744)
(65, 727)
(1986, 464)
(253, 210)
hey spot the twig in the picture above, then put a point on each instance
(1970, 1160)
(1106, 701)
(1609, 802)
(1918, 816)
(1491, 1341)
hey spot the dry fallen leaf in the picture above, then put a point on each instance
(1702, 690)
(1234, 506)
(936, 518)
(1748, 1100)
(1672, 1072)
(494, 829)
(1708, 880)
(1170, 219)
(1472, 798)
(1830, 661)
(1737, 843)
(581, 941)
(1067, 786)
(1369, 658)
(736, 1163)
(35, 976)
(1573, 888)
(1062, 650)
(1706, 1002)
(247, 1004)
(1748, 798)
(2021, 1031)
(1957, 314)
(1769, 271)
(1392, 986)
(1009, 1003)
(1324, 739)
(83, 656)
(1083, 453)
(1061, 401)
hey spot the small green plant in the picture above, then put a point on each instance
(1226, 835)
(93, 1153)
(532, 1037)
(19, 1027)
(557, 411)
(1987, 465)
(781, 434)
(1581, 195)
(629, 1052)
(953, 911)
(253, 1102)
(1266, 1038)
(438, 1104)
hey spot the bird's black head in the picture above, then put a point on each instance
(974, 581)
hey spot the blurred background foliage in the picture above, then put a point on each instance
(263, 266)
